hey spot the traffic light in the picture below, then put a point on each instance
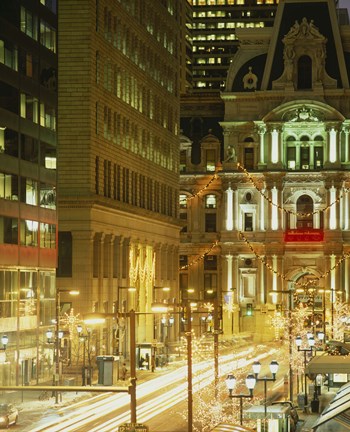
(249, 309)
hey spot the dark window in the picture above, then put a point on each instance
(210, 262)
(29, 148)
(97, 174)
(9, 98)
(249, 158)
(248, 221)
(8, 230)
(210, 222)
(9, 142)
(183, 217)
(304, 73)
(65, 254)
(305, 157)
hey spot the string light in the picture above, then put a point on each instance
(303, 285)
(200, 257)
(184, 200)
(302, 214)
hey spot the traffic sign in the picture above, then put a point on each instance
(133, 427)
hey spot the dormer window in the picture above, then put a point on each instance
(210, 160)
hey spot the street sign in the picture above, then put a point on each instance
(133, 427)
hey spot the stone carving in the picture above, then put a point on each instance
(250, 80)
(304, 40)
(230, 154)
(303, 30)
(303, 114)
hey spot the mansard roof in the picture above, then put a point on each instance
(261, 59)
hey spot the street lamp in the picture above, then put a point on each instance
(256, 369)
(250, 382)
(57, 333)
(83, 338)
(311, 343)
(4, 341)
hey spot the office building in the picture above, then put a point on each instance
(28, 220)
(118, 177)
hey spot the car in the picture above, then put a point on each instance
(8, 415)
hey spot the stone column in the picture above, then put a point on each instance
(236, 218)
(346, 144)
(228, 223)
(261, 132)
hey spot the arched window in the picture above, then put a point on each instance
(210, 201)
(305, 207)
(304, 73)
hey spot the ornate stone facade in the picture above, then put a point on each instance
(282, 190)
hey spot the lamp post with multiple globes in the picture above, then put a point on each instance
(256, 369)
(250, 382)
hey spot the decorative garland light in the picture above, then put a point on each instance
(302, 214)
(200, 257)
(194, 195)
(303, 285)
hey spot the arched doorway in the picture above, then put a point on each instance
(305, 208)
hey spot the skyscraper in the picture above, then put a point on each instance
(28, 223)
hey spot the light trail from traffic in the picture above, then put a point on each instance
(174, 384)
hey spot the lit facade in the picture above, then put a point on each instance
(274, 214)
(118, 180)
(28, 223)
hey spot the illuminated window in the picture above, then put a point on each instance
(183, 201)
(210, 160)
(305, 207)
(29, 233)
(47, 236)
(210, 201)
(29, 23)
(48, 36)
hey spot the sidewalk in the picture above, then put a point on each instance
(306, 421)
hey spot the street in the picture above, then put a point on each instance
(159, 398)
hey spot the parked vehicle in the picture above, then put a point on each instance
(8, 415)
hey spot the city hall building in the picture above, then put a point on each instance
(273, 215)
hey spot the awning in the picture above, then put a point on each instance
(225, 427)
(326, 364)
(338, 411)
